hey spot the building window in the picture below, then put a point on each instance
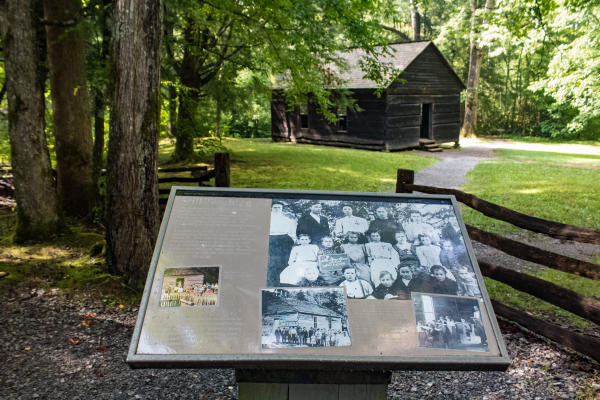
(304, 116)
(342, 118)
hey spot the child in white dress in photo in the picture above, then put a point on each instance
(355, 288)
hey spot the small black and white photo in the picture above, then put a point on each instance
(376, 249)
(304, 317)
(446, 322)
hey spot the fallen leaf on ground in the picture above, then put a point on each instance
(73, 341)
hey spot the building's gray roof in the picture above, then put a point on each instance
(400, 57)
(286, 306)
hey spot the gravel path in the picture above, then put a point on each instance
(453, 166)
(53, 348)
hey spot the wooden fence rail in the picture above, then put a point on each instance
(585, 344)
(534, 224)
(583, 306)
(536, 255)
(200, 175)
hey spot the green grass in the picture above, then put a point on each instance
(569, 195)
(533, 184)
(549, 157)
(538, 139)
(260, 163)
(584, 286)
(539, 308)
(523, 301)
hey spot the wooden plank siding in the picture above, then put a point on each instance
(279, 126)
(365, 129)
(427, 74)
(392, 121)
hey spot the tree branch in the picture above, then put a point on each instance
(396, 31)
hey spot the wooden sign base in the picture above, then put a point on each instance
(311, 385)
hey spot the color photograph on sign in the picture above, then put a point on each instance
(190, 287)
(304, 317)
(377, 250)
(447, 322)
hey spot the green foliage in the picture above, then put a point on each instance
(244, 127)
(207, 147)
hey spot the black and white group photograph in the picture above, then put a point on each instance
(304, 317)
(375, 249)
(446, 322)
(190, 286)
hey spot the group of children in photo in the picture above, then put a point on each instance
(311, 337)
(182, 294)
(387, 258)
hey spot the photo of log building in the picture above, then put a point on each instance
(311, 317)
(423, 106)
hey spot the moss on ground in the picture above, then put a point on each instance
(63, 265)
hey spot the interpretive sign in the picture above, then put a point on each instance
(282, 279)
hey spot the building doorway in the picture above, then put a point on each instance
(426, 131)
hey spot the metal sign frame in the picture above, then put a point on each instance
(311, 361)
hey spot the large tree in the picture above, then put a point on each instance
(476, 53)
(298, 42)
(35, 191)
(132, 182)
(70, 104)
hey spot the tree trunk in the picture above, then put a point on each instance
(173, 110)
(416, 20)
(476, 52)
(132, 179)
(188, 99)
(70, 104)
(100, 91)
(35, 191)
(98, 149)
(184, 132)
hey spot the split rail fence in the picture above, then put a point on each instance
(198, 175)
(585, 307)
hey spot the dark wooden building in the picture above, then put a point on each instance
(425, 104)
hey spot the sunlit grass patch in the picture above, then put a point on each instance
(569, 195)
(264, 164)
(549, 157)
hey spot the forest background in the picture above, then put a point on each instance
(84, 77)
(540, 67)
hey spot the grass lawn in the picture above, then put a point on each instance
(260, 163)
(569, 195)
(549, 157)
(532, 183)
(538, 139)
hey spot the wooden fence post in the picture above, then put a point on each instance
(404, 176)
(222, 170)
